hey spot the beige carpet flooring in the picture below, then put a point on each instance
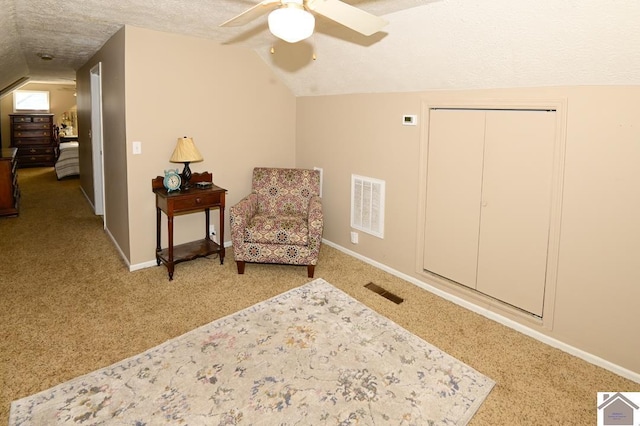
(69, 305)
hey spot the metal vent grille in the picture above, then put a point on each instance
(367, 205)
(384, 293)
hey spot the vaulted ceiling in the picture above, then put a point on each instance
(428, 44)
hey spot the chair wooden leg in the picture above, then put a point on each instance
(310, 270)
(240, 264)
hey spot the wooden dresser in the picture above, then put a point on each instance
(36, 139)
(9, 191)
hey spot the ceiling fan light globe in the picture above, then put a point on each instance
(291, 24)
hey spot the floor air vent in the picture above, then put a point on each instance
(384, 293)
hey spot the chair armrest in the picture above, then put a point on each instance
(240, 215)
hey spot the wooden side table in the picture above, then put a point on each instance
(183, 202)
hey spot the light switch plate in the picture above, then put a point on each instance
(137, 147)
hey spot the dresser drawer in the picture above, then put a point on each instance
(206, 200)
(36, 160)
(28, 142)
(43, 119)
(36, 150)
(42, 133)
(31, 118)
(22, 119)
(32, 126)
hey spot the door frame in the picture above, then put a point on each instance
(97, 141)
(560, 106)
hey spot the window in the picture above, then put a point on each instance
(30, 100)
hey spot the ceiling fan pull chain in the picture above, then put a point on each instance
(313, 46)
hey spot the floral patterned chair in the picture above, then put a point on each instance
(280, 221)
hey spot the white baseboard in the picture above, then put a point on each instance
(142, 265)
(88, 199)
(593, 359)
(115, 244)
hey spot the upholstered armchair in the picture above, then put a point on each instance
(280, 221)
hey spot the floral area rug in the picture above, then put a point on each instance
(310, 356)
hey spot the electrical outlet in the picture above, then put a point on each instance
(212, 234)
(354, 238)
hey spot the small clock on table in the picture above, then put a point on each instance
(172, 180)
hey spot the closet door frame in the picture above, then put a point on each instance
(469, 295)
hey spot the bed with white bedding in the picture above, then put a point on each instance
(68, 164)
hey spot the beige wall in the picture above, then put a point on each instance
(225, 98)
(61, 99)
(597, 284)
(112, 59)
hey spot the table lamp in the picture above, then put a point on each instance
(185, 152)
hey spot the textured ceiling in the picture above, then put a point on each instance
(446, 44)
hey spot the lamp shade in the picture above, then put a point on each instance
(291, 23)
(185, 152)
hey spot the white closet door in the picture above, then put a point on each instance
(516, 207)
(454, 180)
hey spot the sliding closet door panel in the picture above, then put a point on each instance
(454, 180)
(516, 206)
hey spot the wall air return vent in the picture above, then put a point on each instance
(367, 205)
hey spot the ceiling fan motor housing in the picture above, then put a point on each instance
(291, 23)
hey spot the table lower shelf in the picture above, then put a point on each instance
(189, 251)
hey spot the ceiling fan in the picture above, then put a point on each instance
(293, 20)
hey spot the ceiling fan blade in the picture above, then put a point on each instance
(251, 13)
(347, 15)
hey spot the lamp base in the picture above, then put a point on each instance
(186, 176)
